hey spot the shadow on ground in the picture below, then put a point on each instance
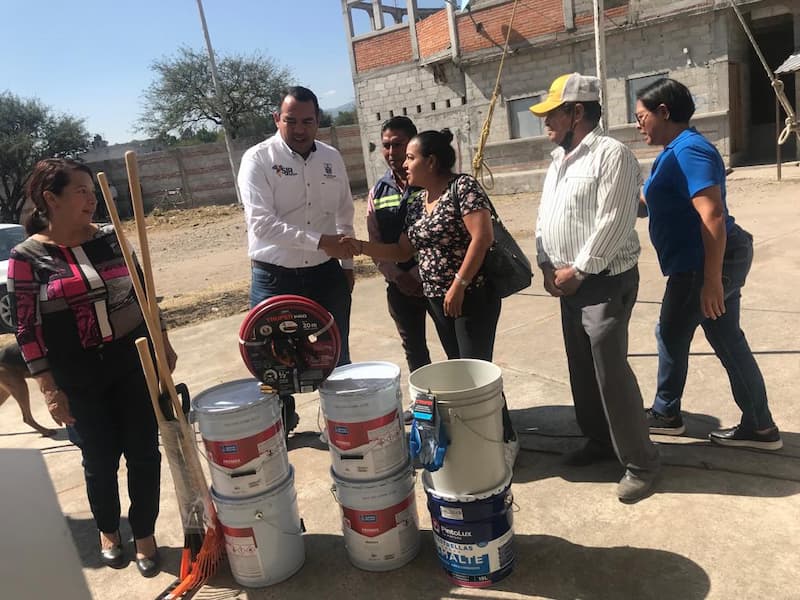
(693, 465)
(546, 566)
(86, 539)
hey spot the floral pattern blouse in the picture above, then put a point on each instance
(441, 238)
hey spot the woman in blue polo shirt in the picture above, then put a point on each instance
(706, 257)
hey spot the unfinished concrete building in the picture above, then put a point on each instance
(437, 62)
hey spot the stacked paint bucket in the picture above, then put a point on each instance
(252, 481)
(290, 344)
(373, 479)
(469, 497)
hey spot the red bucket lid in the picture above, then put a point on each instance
(290, 343)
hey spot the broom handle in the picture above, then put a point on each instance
(150, 376)
(153, 328)
(141, 230)
(187, 439)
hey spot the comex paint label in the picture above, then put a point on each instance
(243, 555)
(233, 454)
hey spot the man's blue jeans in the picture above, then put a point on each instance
(679, 318)
(324, 284)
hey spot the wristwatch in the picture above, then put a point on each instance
(579, 275)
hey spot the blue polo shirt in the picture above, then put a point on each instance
(688, 165)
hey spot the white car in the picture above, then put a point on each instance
(10, 236)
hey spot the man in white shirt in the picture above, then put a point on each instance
(297, 205)
(587, 248)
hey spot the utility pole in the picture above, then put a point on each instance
(600, 56)
(218, 92)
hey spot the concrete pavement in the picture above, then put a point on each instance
(723, 522)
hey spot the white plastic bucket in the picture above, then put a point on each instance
(379, 520)
(364, 420)
(243, 438)
(470, 402)
(263, 535)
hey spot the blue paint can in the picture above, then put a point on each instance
(474, 534)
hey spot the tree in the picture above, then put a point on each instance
(346, 117)
(325, 119)
(29, 132)
(98, 142)
(183, 96)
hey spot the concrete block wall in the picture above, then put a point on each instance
(647, 37)
(204, 172)
(431, 101)
(649, 9)
(636, 52)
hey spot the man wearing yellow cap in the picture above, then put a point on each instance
(587, 249)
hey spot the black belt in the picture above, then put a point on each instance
(265, 266)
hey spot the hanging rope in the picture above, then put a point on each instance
(791, 124)
(478, 164)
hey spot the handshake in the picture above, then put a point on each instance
(339, 246)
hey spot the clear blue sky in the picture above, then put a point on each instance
(91, 58)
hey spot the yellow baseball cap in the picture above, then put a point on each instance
(572, 87)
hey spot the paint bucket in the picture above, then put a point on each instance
(379, 520)
(473, 534)
(364, 420)
(263, 535)
(470, 401)
(243, 438)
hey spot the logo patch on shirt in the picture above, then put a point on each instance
(329, 171)
(281, 170)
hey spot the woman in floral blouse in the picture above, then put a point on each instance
(449, 230)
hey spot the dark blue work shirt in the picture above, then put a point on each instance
(688, 165)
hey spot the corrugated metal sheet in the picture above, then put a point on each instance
(790, 65)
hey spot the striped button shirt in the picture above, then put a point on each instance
(588, 208)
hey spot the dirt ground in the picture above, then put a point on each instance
(200, 263)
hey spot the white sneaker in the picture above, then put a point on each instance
(510, 451)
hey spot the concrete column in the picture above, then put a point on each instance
(348, 27)
(633, 11)
(452, 25)
(796, 98)
(569, 15)
(412, 28)
(377, 15)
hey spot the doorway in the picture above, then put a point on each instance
(775, 37)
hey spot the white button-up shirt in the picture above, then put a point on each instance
(588, 209)
(289, 202)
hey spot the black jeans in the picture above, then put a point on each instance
(109, 399)
(325, 284)
(472, 334)
(409, 314)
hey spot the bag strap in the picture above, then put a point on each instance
(452, 189)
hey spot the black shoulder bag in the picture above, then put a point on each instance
(505, 265)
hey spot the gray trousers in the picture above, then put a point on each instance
(608, 403)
